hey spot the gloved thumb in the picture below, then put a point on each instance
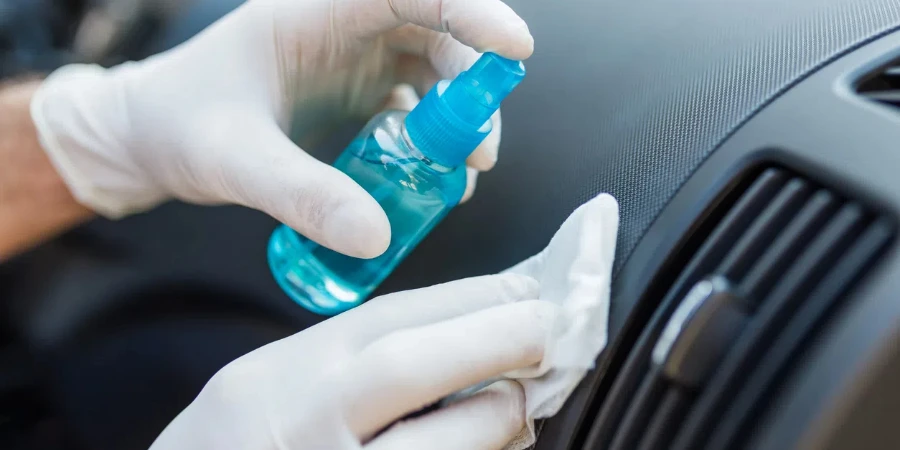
(264, 170)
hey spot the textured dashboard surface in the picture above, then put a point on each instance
(630, 97)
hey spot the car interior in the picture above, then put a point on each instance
(752, 146)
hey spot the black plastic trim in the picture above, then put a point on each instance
(751, 202)
(781, 254)
(772, 317)
(779, 133)
(738, 421)
(764, 228)
(666, 418)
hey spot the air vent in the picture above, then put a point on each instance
(883, 86)
(737, 312)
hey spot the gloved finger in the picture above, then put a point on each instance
(488, 25)
(412, 68)
(485, 156)
(471, 183)
(532, 267)
(419, 307)
(487, 420)
(402, 97)
(409, 369)
(442, 57)
(261, 168)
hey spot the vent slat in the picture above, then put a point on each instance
(736, 315)
(665, 419)
(725, 233)
(893, 71)
(789, 243)
(764, 229)
(803, 276)
(642, 406)
(625, 385)
(883, 96)
(883, 86)
(835, 283)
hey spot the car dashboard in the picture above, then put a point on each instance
(752, 146)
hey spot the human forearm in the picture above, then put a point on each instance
(35, 203)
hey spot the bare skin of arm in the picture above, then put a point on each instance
(35, 203)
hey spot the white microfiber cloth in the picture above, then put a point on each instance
(574, 271)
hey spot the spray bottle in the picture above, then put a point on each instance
(413, 164)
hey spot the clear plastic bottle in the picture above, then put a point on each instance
(413, 164)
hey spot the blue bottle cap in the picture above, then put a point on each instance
(454, 117)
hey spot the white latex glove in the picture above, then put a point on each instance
(337, 384)
(206, 122)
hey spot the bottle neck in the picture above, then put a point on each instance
(416, 153)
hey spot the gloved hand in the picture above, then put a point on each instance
(334, 385)
(337, 384)
(206, 122)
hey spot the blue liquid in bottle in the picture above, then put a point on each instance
(413, 164)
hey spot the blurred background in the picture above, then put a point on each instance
(39, 35)
(107, 332)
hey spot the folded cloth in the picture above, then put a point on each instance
(574, 271)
